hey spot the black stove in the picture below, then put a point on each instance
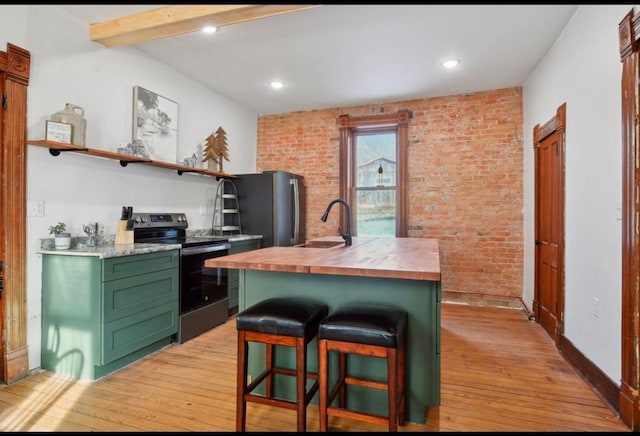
(203, 292)
(168, 228)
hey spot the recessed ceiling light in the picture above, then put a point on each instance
(277, 84)
(210, 29)
(450, 63)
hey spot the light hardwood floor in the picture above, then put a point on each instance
(500, 372)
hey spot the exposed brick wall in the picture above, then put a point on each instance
(465, 179)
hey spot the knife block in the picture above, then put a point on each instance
(123, 236)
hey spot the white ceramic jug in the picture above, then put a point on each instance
(72, 114)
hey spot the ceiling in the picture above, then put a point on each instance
(345, 55)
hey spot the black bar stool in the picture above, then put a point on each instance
(368, 330)
(288, 322)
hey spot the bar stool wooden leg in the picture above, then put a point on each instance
(402, 365)
(270, 356)
(342, 375)
(301, 384)
(392, 384)
(241, 405)
(323, 372)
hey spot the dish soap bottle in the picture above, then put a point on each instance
(72, 114)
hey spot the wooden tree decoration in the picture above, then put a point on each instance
(221, 146)
(215, 149)
(208, 154)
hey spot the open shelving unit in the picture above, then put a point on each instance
(55, 148)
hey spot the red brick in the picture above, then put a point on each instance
(465, 179)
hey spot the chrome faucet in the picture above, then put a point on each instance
(346, 235)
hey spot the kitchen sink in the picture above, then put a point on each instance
(321, 244)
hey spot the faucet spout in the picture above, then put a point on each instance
(347, 234)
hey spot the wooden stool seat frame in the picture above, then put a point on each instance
(244, 391)
(395, 384)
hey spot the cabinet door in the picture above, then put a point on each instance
(139, 311)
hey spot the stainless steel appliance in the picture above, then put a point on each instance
(272, 204)
(204, 301)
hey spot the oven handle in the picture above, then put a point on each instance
(205, 249)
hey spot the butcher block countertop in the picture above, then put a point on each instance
(398, 258)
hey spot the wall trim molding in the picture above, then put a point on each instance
(599, 382)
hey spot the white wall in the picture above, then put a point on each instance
(583, 69)
(67, 68)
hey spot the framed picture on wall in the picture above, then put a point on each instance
(155, 123)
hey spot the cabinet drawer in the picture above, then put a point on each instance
(127, 335)
(131, 295)
(128, 266)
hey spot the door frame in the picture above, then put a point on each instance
(554, 126)
(15, 65)
(629, 398)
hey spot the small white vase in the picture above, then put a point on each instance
(63, 241)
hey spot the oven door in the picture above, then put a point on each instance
(199, 285)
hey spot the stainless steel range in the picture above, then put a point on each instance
(204, 301)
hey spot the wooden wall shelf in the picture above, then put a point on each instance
(55, 148)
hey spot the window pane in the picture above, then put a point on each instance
(376, 159)
(376, 212)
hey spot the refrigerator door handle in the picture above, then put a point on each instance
(296, 212)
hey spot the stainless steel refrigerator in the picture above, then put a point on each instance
(272, 204)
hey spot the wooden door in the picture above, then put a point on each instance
(549, 224)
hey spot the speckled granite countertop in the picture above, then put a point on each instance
(111, 250)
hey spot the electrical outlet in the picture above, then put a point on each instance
(596, 307)
(35, 208)
(249, 379)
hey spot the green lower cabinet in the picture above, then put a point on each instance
(233, 274)
(99, 315)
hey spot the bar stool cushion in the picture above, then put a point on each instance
(365, 324)
(283, 316)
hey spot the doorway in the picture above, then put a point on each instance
(548, 303)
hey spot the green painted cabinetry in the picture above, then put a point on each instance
(233, 274)
(99, 315)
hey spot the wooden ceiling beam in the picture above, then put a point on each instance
(179, 19)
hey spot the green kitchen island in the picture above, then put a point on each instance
(401, 272)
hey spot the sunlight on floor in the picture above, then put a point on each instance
(28, 416)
